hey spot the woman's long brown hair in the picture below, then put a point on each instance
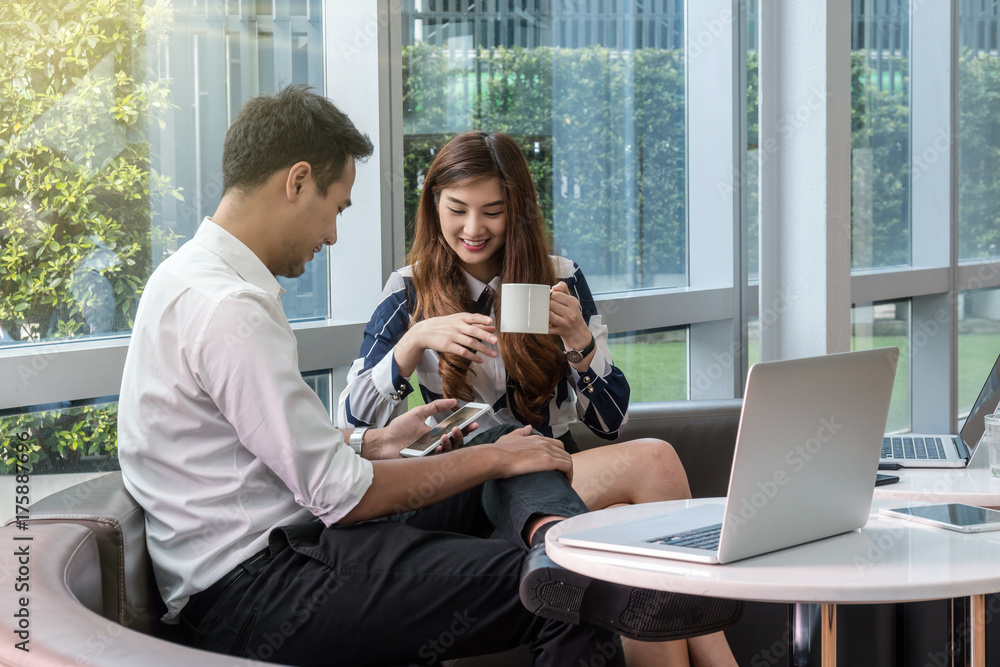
(535, 364)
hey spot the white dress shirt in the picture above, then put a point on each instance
(220, 439)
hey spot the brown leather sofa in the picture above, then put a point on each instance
(77, 581)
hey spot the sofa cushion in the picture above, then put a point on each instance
(702, 432)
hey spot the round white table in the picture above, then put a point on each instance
(889, 560)
(973, 485)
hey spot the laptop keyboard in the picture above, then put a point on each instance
(907, 447)
(699, 538)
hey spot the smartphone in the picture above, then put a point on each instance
(460, 417)
(881, 480)
(953, 516)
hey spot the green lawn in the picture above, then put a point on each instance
(655, 371)
(899, 406)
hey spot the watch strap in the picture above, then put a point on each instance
(357, 439)
(576, 356)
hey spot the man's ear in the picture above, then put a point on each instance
(298, 175)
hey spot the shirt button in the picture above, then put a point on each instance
(586, 378)
(394, 397)
(589, 390)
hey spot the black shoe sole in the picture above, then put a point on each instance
(554, 592)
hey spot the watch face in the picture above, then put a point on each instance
(574, 356)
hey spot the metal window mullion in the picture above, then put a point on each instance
(933, 322)
(712, 104)
(393, 210)
(283, 46)
(741, 215)
(805, 180)
(215, 116)
(895, 284)
(977, 275)
(316, 61)
(357, 59)
(181, 49)
(658, 309)
(69, 371)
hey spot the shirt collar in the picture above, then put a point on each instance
(234, 253)
(476, 286)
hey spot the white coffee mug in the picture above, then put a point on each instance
(524, 308)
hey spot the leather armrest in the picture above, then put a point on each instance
(103, 506)
(63, 628)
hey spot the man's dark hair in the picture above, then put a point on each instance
(273, 132)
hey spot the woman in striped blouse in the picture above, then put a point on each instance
(478, 226)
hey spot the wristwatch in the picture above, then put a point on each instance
(576, 356)
(357, 439)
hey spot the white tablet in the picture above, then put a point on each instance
(953, 516)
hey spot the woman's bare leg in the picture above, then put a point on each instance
(711, 651)
(655, 654)
(644, 471)
(638, 471)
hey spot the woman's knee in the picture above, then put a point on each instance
(663, 466)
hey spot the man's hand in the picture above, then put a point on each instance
(387, 442)
(523, 452)
(397, 483)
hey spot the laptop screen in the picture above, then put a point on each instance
(986, 404)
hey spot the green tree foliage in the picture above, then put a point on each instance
(979, 156)
(83, 439)
(75, 178)
(880, 126)
(614, 199)
(76, 185)
(880, 149)
(565, 108)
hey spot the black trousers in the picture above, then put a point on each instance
(440, 583)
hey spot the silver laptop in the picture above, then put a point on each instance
(804, 468)
(918, 450)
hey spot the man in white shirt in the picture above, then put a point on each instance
(260, 517)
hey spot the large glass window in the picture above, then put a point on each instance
(77, 176)
(655, 363)
(978, 130)
(880, 126)
(887, 324)
(114, 117)
(596, 100)
(81, 436)
(754, 156)
(978, 343)
(111, 138)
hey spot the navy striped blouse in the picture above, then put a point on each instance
(376, 392)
